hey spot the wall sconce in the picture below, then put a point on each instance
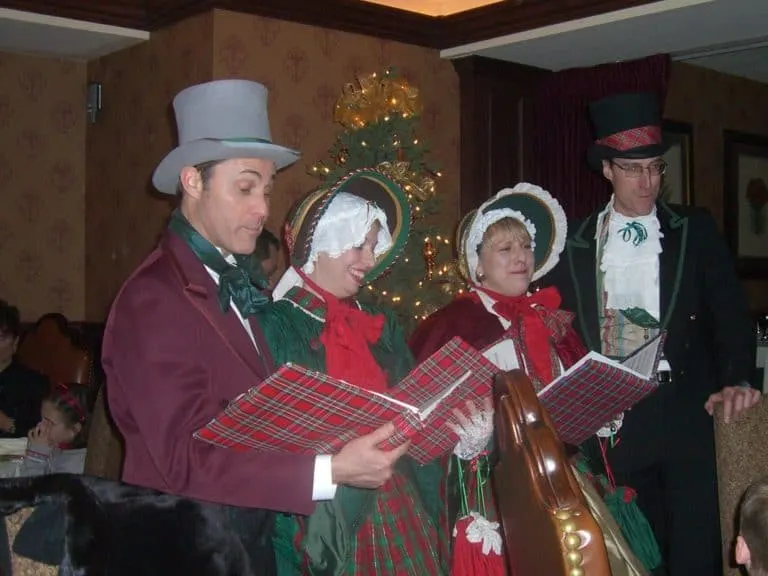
(93, 101)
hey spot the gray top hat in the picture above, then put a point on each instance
(220, 120)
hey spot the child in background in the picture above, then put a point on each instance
(752, 541)
(57, 443)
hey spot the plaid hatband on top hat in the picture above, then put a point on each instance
(626, 126)
(368, 184)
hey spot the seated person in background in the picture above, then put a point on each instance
(21, 389)
(57, 443)
(752, 541)
(267, 253)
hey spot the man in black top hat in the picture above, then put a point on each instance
(631, 270)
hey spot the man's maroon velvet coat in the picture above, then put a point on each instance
(173, 360)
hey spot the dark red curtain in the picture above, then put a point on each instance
(559, 130)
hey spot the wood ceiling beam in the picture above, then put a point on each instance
(507, 17)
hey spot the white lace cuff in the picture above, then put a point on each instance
(475, 435)
(611, 427)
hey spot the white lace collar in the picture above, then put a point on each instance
(630, 260)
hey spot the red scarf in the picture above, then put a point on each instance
(528, 315)
(347, 337)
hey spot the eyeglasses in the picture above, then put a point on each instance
(637, 171)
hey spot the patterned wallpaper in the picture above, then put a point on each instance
(42, 170)
(305, 69)
(64, 250)
(123, 214)
(712, 102)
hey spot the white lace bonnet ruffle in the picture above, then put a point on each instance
(343, 226)
(482, 219)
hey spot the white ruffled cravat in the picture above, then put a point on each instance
(630, 262)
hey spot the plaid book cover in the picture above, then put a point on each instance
(591, 394)
(301, 411)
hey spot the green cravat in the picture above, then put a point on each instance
(640, 317)
(241, 284)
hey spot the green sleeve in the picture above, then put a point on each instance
(289, 333)
(404, 361)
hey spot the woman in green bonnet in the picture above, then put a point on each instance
(341, 238)
(512, 239)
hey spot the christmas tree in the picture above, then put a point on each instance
(379, 115)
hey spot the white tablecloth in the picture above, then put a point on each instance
(12, 452)
(10, 468)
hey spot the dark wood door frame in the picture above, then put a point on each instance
(493, 98)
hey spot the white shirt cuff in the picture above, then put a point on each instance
(323, 487)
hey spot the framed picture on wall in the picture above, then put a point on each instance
(677, 187)
(745, 200)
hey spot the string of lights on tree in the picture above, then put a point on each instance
(379, 114)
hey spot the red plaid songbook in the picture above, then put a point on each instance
(596, 389)
(301, 411)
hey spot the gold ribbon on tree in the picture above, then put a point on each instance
(417, 186)
(374, 98)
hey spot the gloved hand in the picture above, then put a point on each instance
(612, 427)
(475, 430)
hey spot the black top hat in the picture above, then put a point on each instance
(626, 126)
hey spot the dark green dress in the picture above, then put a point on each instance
(391, 530)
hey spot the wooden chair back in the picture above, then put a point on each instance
(548, 528)
(52, 348)
(105, 444)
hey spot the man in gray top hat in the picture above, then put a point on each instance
(180, 342)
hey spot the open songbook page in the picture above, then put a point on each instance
(596, 389)
(645, 360)
(301, 411)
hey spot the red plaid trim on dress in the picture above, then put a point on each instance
(307, 301)
(633, 138)
(306, 412)
(399, 537)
